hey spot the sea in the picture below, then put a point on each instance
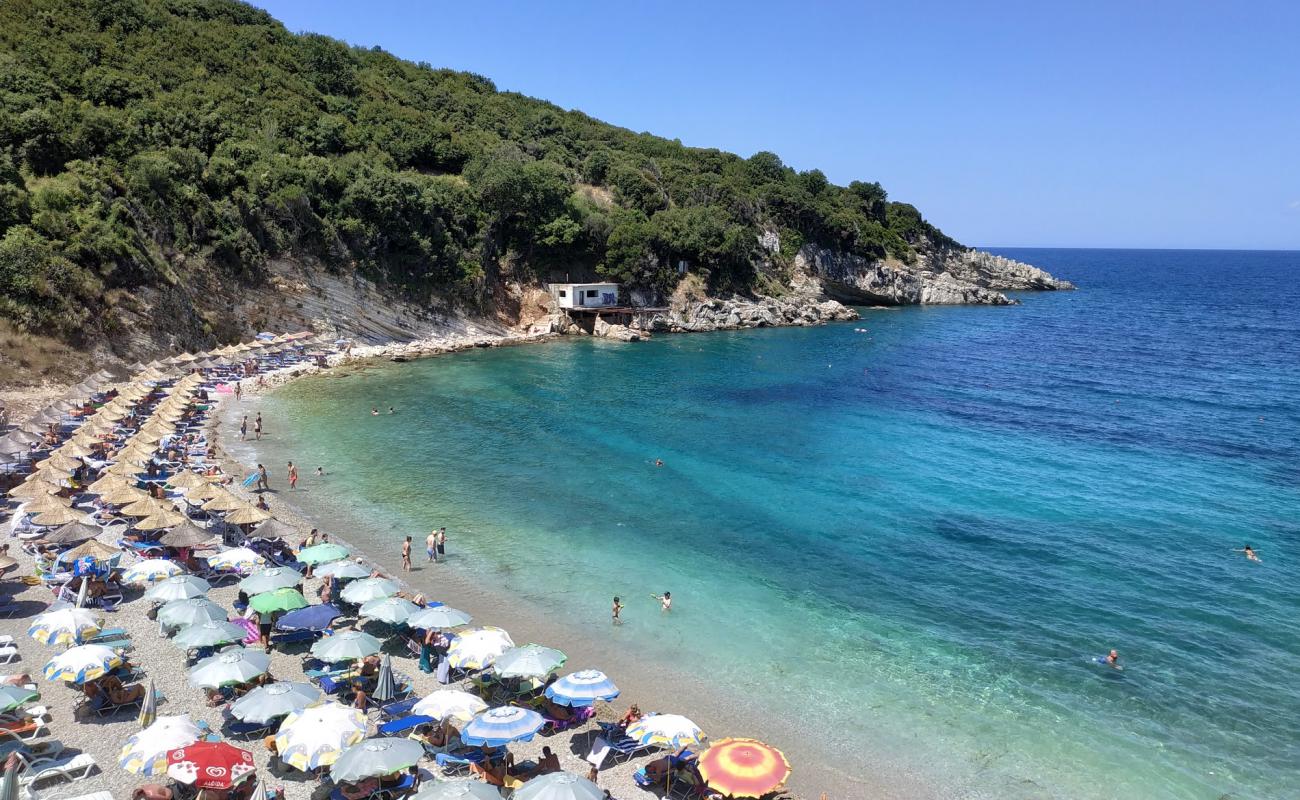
(904, 541)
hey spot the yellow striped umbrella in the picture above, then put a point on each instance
(744, 768)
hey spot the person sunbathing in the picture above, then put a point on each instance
(489, 772)
(356, 791)
(18, 680)
(633, 715)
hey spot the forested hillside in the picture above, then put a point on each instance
(183, 143)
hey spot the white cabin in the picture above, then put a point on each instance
(584, 295)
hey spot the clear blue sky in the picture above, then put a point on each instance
(1124, 124)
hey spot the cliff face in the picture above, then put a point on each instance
(940, 277)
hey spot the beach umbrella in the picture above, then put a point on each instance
(743, 768)
(237, 559)
(191, 611)
(247, 515)
(145, 753)
(86, 662)
(477, 648)
(371, 758)
(223, 500)
(93, 549)
(147, 507)
(260, 792)
(346, 646)
(7, 563)
(272, 529)
(34, 488)
(385, 683)
(322, 553)
(438, 617)
(60, 516)
(667, 730)
(460, 789)
(278, 600)
(450, 704)
(317, 735)
(270, 579)
(273, 700)
(230, 667)
(187, 534)
(72, 533)
(12, 697)
(148, 707)
(582, 688)
(210, 765)
(9, 785)
(501, 726)
(393, 610)
(46, 502)
(311, 618)
(186, 480)
(150, 571)
(177, 587)
(367, 589)
(559, 786)
(529, 661)
(157, 522)
(343, 570)
(64, 626)
(209, 634)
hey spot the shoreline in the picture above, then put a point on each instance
(668, 688)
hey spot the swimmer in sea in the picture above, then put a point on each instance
(374, 411)
(659, 462)
(1112, 660)
(1250, 554)
(665, 600)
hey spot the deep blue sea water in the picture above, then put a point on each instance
(914, 537)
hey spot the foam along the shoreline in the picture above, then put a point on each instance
(819, 766)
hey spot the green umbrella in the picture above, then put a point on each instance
(13, 696)
(279, 600)
(320, 553)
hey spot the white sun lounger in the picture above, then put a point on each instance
(69, 768)
(8, 653)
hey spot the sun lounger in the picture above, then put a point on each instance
(580, 716)
(625, 747)
(250, 730)
(49, 748)
(294, 637)
(398, 709)
(8, 654)
(25, 730)
(108, 633)
(400, 725)
(92, 796)
(69, 768)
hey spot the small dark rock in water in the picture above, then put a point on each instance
(400, 359)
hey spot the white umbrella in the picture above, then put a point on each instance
(145, 753)
(178, 587)
(228, 668)
(371, 758)
(367, 589)
(270, 579)
(346, 646)
(393, 610)
(343, 570)
(209, 634)
(529, 661)
(441, 617)
(559, 786)
(477, 648)
(191, 611)
(150, 571)
(317, 735)
(237, 559)
(450, 704)
(279, 699)
(457, 790)
(64, 626)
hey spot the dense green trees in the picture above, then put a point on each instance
(142, 141)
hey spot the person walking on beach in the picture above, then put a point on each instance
(257, 427)
(406, 555)
(239, 390)
(243, 429)
(665, 600)
(618, 609)
(293, 476)
(1250, 554)
(263, 482)
(431, 545)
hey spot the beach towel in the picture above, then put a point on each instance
(251, 479)
(252, 634)
(599, 750)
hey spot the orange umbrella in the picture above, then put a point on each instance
(744, 768)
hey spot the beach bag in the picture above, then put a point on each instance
(443, 673)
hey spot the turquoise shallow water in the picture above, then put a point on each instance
(912, 538)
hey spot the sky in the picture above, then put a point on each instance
(1100, 124)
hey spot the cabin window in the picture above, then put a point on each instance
(593, 293)
(563, 293)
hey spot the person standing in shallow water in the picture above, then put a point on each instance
(617, 610)
(257, 427)
(406, 555)
(293, 476)
(243, 429)
(431, 545)
(263, 481)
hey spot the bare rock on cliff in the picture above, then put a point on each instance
(993, 272)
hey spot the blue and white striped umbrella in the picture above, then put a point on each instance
(82, 663)
(582, 688)
(501, 726)
(150, 571)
